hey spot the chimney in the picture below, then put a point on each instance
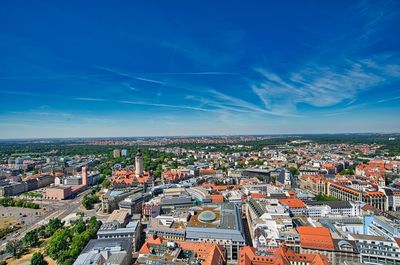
(84, 175)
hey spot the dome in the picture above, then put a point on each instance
(207, 216)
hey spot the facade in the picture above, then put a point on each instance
(376, 199)
(377, 250)
(343, 193)
(8, 189)
(393, 199)
(58, 193)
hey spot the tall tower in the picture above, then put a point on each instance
(84, 175)
(139, 163)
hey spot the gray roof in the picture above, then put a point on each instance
(230, 228)
(99, 244)
(176, 200)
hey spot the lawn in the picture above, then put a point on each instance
(25, 259)
(7, 221)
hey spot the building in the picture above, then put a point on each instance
(295, 205)
(125, 178)
(114, 251)
(316, 240)
(378, 225)
(221, 225)
(116, 153)
(314, 183)
(174, 176)
(376, 199)
(119, 216)
(134, 203)
(157, 250)
(124, 152)
(111, 199)
(217, 224)
(343, 193)
(131, 231)
(393, 199)
(11, 188)
(344, 208)
(279, 256)
(377, 250)
(58, 193)
(150, 210)
(284, 178)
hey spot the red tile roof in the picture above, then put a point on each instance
(315, 237)
(293, 202)
(279, 256)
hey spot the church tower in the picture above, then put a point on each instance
(139, 163)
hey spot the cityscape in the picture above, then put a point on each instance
(314, 199)
(199, 132)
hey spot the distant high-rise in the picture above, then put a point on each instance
(117, 153)
(139, 163)
(124, 152)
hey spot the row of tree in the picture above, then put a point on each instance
(10, 202)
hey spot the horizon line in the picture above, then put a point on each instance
(191, 136)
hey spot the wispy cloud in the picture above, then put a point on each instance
(129, 75)
(90, 99)
(338, 72)
(193, 73)
(388, 99)
(164, 105)
(322, 86)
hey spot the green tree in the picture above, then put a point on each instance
(14, 247)
(106, 183)
(38, 259)
(294, 171)
(79, 227)
(92, 226)
(30, 239)
(77, 244)
(53, 225)
(321, 197)
(58, 243)
(89, 200)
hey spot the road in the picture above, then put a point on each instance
(61, 210)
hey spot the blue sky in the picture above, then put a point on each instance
(137, 68)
